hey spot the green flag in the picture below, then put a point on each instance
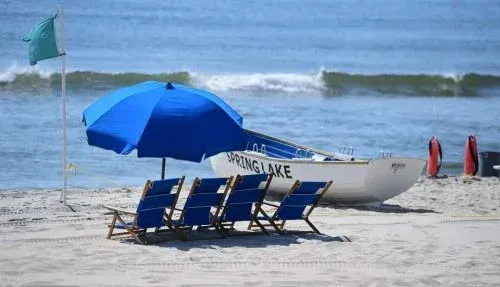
(42, 40)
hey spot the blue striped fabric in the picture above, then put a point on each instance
(238, 212)
(291, 212)
(158, 201)
(204, 199)
(149, 218)
(205, 196)
(240, 201)
(293, 206)
(299, 199)
(251, 181)
(197, 216)
(309, 187)
(162, 186)
(246, 195)
(210, 185)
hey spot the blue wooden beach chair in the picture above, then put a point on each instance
(293, 206)
(205, 195)
(243, 202)
(157, 197)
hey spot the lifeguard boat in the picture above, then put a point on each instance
(355, 180)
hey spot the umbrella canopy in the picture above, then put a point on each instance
(164, 120)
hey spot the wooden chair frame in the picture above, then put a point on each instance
(177, 225)
(133, 229)
(279, 225)
(257, 206)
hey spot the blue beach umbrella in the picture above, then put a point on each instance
(162, 120)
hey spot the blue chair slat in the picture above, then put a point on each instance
(245, 195)
(162, 186)
(210, 185)
(238, 212)
(299, 199)
(204, 199)
(197, 216)
(251, 181)
(309, 187)
(158, 201)
(149, 218)
(291, 212)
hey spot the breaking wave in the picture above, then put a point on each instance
(324, 82)
(469, 84)
(33, 78)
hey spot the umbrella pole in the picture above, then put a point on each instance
(163, 168)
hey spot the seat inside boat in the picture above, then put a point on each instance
(273, 147)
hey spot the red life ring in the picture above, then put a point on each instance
(435, 157)
(471, 164)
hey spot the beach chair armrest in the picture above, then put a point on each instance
(267, 203)
(112, 208)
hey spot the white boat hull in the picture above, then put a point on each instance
(372, 181)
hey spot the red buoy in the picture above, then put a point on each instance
(471, 163)
(435, 157)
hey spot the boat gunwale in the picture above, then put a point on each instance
(305, 160)
(297, 160)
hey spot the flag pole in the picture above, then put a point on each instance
(63, 93)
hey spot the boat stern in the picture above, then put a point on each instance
(389, 177)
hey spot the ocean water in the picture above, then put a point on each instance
(375, 75)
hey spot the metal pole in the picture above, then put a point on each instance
(63, 92)
(163, 168)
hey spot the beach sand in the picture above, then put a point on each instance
(440, 232)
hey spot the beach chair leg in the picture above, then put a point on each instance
(223, 229)
(254, 217)
(271, 221)
(261, 226)
(132, 232)
(112, 226)
(312, 225)
(220, 230)
(174, 227)
(282, 225)
(178, 232)
(168, 223)
(250, 225)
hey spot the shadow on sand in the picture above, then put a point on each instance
(212, 240)
(385, 208)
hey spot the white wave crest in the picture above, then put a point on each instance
(9, 75)
(258, 82)
(456, 77)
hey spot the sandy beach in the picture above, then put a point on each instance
(440, 232)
